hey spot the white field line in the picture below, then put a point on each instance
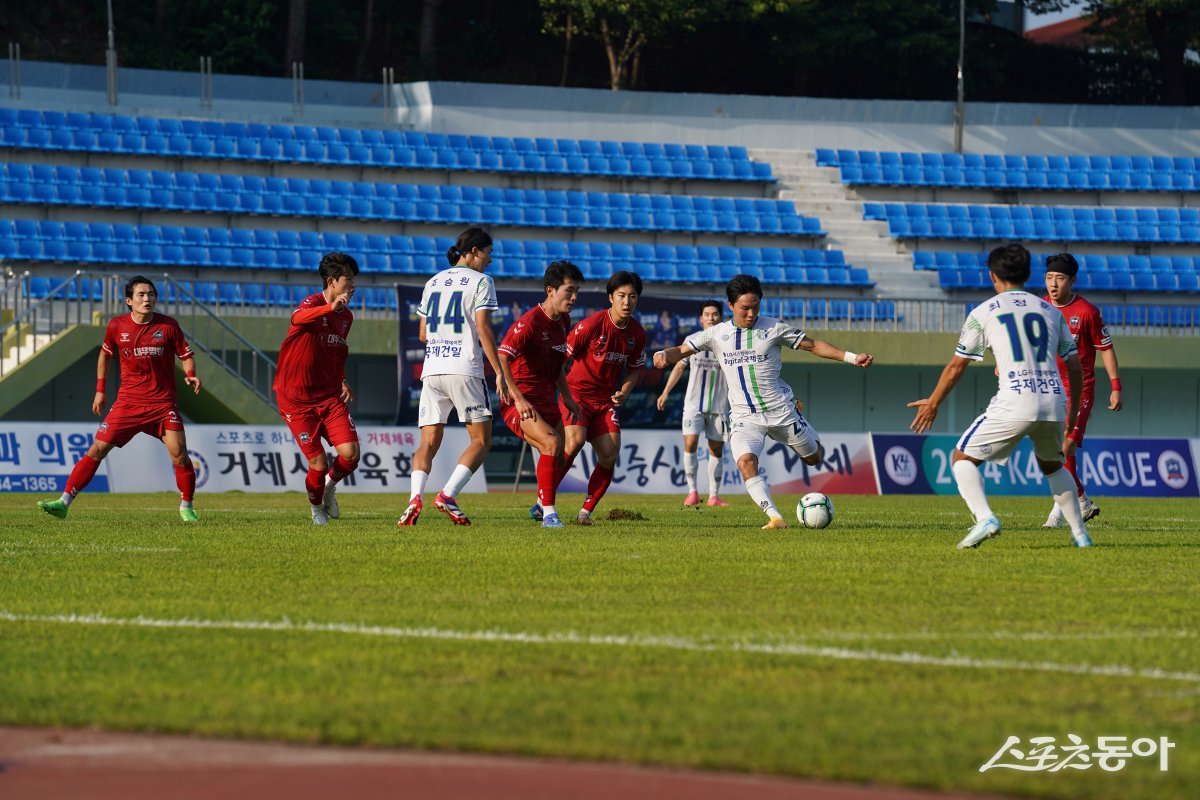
(571, 638)
(1023, 636)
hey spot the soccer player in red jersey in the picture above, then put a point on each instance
(532, 355)
(608, 351)
(1091, 337)
(146, 345)
(310, 383)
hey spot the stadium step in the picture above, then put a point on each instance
(11, 356)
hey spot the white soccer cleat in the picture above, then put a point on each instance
(980, 533)
(1088, 509)
(331, 504)
(1082, 539)
(1055, 519)
(775, 523)
(585, 517)
(319, 516)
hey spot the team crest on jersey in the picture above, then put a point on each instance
(1074, 322)
(103, 426)
(158, 334)
(304, 437)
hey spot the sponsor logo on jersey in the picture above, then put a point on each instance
(334, 340)
(124, 336)
(149, 351)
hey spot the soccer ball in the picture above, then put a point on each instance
(815, 510)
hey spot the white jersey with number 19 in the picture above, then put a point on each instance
(448, 305)
(1027, 335)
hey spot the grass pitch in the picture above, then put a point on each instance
(872, 651)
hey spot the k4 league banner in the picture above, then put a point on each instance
(248, 458)
(651, 461)
(1122, 467)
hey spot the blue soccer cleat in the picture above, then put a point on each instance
(552, 521)
(1081, 539)
(535, 512)
(980, 533)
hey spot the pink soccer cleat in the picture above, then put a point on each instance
(447, 506)
(692, 500)
(716, 502)
(411, 514)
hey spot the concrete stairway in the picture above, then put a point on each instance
(30, 344)
(819, 192)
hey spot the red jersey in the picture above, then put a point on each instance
(536, 347)
(601, 353)
(312, 358)
(1091, 335)
(147, 354)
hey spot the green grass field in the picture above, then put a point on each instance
(873, 651)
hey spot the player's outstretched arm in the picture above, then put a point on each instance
(672, 379)
(927, 408)
(672, 355)
(100, 401)
(824, 349)
(1109, 357)
(189, 371)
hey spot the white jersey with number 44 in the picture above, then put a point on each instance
(448, 305)
(1026, 335)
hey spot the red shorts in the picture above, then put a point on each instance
(512, 417)
(308, 423)
(126, 420)
(597, 418)
(1081, 421)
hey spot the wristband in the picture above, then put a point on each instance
(100, 382)
(1116, 384)
(191, 373)
(849, 357)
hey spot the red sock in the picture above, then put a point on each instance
(82, 474)
(185, 479)
(547, 474)
(597, 485)
(341, 468)
(314, 482)
(1071, 463)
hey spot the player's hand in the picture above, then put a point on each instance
(347, 393)
(573, 410)
(98, 404)
(660, 360)
(926, 414)
(864, 360)
(1069, 446)
(619, 398)
(526, 409)
(341, 301)
(193, 382)
(1114, 401)
(502, 390)
(661, 402)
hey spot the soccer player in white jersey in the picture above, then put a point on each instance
(705, 411)
(762, 405)
(456, 327)
(1027, 335)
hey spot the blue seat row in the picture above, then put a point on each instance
(1083, 173)
(1038, 223)
(1167, 282)
(221, 294)
(53, 130)
(818, 310)
(1102, 262)
(212, 193)
(169, 246)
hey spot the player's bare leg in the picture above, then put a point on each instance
(607, 447)
(472, 458)
(82, 474)
(759, 491)
(185, 473)
(345, 463)
(431, 442)
(716, 471)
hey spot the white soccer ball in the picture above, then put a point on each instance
(815, 510)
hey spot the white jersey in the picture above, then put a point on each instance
(707, 391)
(750, 361)
(1026, 335)
(448, 305)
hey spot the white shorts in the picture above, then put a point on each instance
(712, 426)
(465, 394)
(992, 439)
(748, 433)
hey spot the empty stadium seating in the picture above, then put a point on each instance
(1119, 273)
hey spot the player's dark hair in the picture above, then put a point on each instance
(743, 284)
(1064, 263)
(624, 278)
(468, 240)
(134, 281)
(558, 273)
(712, 304)
(1010, 263)
(337, 265)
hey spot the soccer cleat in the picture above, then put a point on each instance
(1088, 509)
(775, 523)
(552, 521)
(716, 502)
(447, 506)
(585, 517)
(692, 500)
(1081, 539)
(188, 515)
(318, 515)
(535, 512)
(411, 514)
(980, 533)
(55, 508)
(1055, 519)
(330, 502)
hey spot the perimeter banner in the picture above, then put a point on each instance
(651, 461)
(247, 458)
(1109, 466)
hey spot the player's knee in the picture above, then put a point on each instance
(1050, 467)
(318, 463)
(607, 461)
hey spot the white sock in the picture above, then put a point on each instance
(185, 503)
(417, 486)
(548, 510)
(970, 486)
(67, 499)
(319, 507)
(1062, 487)
(715, 465)
(689, 470)
(458, 479)
(760, 493)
